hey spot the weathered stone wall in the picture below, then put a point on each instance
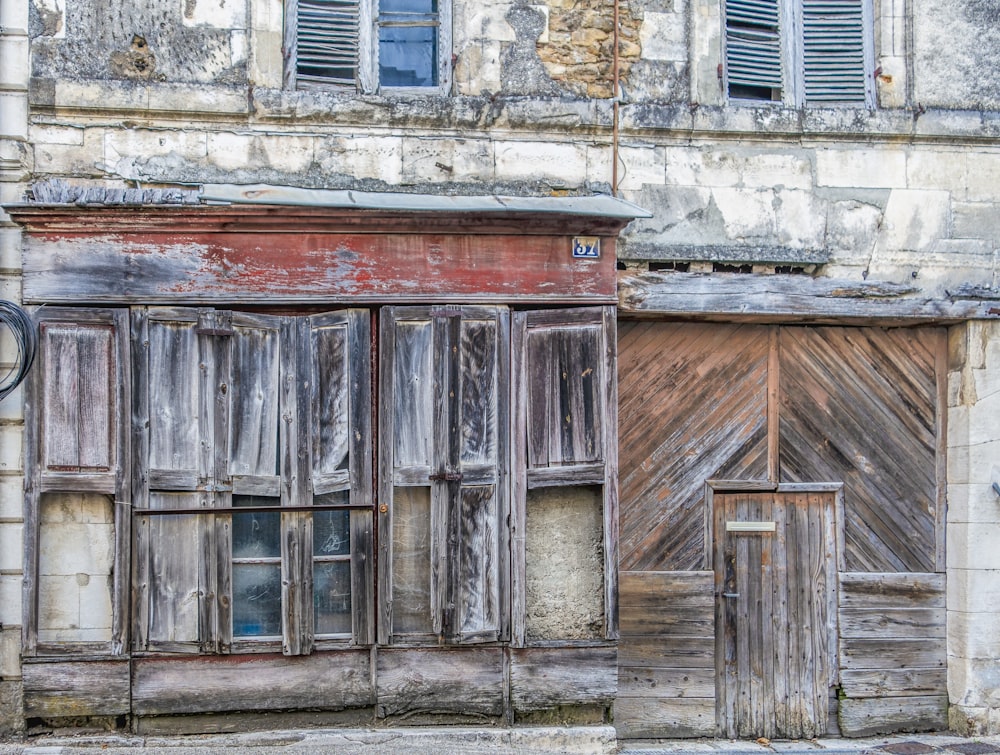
(974, 528)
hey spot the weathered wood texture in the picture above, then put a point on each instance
(448, 680)
(297, 257)
(789, 297)
(666, 664)
(892, 653)
(692, 406)
(322, 681)
(860, 406)
(547, 677)
(61, 689)
(776, 645)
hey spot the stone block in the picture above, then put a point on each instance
(81, 157)
(95, 605)
(10, 599)
(10, 249)
(599, 159)
(974, 634)
(800, 219)
(560, 164)
(286, 152)
(973, 545)
(12, 407)
(944, 170)
(866, 168)
(11, 692)
(766, 170)
(478, 22)
(14, 16)
(14, 73)
(267, 15)
(266, 61)
(914, 220)
(974, 681)
(192, 98)
(433, 160)
(851, 230)
(972, 589)
(10, 651)
(746, 213)
(639, 166)
(11, 497)
(362, 157)
(76, 549)
(10, 546)
(984, 177)
(975, 220)
(477, 69)
(14, 114)
(663, 36)
(891, 83)
(12, 448)
(130, 145)
(58, 603)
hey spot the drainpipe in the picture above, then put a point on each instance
(614, 104)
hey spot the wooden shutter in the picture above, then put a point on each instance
(338, 440)
(443, 434)
(76, 437)
(753, 47)
(835, 66)
(565, 427)
(324, 42)
(174, 577)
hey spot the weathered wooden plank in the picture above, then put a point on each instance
(325, 681)
(667, 652)
(547, 677)
(162, 267)
(75, 688)
(666, 683)
(861, 683)
(888, 590)
(912, 623)
(687, 588)
(644, 718)
(891, 653)
(788, 296)
(453, 680)
(697, 621)
(871, 716)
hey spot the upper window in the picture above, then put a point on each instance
(799, 52)
(368, 45)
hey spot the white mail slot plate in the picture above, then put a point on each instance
(749, 526)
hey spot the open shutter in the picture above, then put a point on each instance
(443, 439)
(338, 437)
(753, 49)
(174, 575)
(324, 42)
(565, 432)
(76, 438)
(835, 64)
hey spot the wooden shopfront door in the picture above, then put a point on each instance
(775, 575)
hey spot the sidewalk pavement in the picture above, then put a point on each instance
(582, 740)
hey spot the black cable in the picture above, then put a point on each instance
(22, 327)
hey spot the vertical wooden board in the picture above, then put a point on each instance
(330, 379)
(478, 565)
(454, 680)
(173, 387)
(254, 395)
(411, 566)
(176, 581)
(413, 393)
(60, 398)
(865, 378)
(645, 718)
(692, 406)
(362, 577)
(479, 406)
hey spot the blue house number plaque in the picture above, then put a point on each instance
(586, 247)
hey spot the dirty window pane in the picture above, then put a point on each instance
(407, 6)
(407, 55)
(332, 597)
(256, 534)
(256, 600)
(331, 533)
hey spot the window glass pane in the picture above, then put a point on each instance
(331, 533)
(256, 534)
(256, 600)
(411, 560)
(407, 56)
(332, 597)
(407, 6)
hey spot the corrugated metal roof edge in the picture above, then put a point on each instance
(595, 205)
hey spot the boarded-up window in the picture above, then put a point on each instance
(253, 501)
(800, 52)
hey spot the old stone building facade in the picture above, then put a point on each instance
(807, 309)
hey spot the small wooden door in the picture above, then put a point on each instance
(775, 575)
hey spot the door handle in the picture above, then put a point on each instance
(730, 595)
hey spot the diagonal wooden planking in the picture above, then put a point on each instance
(692, 405)
(858, 405)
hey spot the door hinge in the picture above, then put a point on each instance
(447, 476)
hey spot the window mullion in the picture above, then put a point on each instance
(792, 56)
(368, 46)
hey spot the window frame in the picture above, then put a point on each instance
(367, 54)
(791, 73)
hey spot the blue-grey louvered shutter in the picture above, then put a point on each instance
(327, 42)
(753, 48)
(833, 36)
